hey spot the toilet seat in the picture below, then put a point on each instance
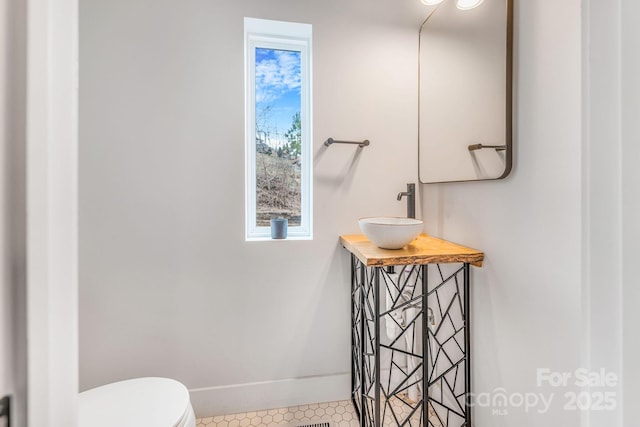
(140, 402)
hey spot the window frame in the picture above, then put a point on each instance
(261, 33)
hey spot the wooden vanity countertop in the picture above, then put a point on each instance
(424, 249)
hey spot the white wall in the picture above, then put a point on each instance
(52, 212)
(630, 178)
(527, 298)
(13, 379)
(167, 284)
(601, 219)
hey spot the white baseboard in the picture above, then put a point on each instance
(238, 398)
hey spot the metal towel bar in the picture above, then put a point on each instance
(330, 141)
(474, 147)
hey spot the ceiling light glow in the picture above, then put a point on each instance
(468, 4)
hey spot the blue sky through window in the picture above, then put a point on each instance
(278, 80)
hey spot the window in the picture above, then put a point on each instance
(278, 127)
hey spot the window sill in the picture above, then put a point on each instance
(269, 239)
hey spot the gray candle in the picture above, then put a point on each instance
(279, 228)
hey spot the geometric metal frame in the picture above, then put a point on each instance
(406, 303)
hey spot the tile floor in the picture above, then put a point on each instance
(341, 414)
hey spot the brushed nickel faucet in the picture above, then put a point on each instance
(411, 200)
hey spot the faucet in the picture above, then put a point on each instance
(411, 200)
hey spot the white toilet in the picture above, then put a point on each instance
(140, 402)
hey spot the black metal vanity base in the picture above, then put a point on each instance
(389, 312)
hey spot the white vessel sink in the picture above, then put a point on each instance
(390, 232)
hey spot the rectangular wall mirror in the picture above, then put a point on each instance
(465, 85)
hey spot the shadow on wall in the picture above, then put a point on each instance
(344, 174)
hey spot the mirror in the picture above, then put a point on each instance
(465, 92)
